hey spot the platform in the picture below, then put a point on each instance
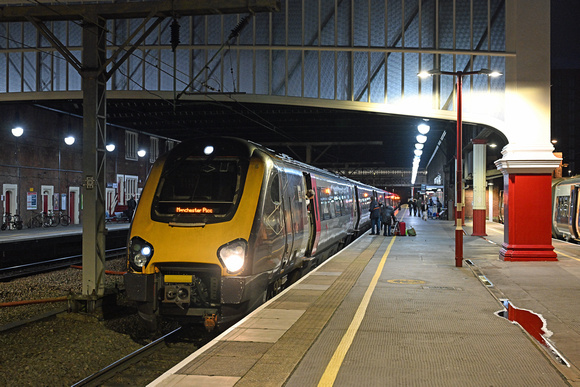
(395, 311)
(52, 232)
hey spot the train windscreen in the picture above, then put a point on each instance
(194, 189)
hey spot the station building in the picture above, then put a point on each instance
(41, 168)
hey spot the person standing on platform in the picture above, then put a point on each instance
(375, 217)
(410, 204)
(131, 205)
(415, 207)
(387, 213)
(420, 206)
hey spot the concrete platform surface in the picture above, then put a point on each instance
(395, 311)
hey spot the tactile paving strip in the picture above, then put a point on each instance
(279, 361)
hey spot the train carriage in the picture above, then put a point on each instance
(223, 224)
(565, 209)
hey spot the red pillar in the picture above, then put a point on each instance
(527, 229)
(479, 185)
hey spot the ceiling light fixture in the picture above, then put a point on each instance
(423, 128)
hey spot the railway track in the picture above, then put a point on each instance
(9, 273)
(149, 362)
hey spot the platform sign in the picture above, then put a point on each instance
(31, 201)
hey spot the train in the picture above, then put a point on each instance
(566, 209)
(223, 224)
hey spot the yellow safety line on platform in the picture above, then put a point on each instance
(333, 366)
(566, 255)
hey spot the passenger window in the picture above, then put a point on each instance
(275, 189)
(323, 197)
(337, 206)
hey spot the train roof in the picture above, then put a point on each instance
(290, 160)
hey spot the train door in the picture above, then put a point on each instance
(355, 210)
(573, 217)
(286, 203)
(358, 209)
(313, 214)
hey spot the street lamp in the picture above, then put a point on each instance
(458, 178)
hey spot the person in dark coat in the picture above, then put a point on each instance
(387, 213)
(375, 217)
(131, 205)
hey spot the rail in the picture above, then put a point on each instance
(111, 370)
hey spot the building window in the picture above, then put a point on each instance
(131, 145)
(154, 149)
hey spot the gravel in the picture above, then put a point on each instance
(66, 348)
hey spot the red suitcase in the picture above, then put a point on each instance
(402, 231)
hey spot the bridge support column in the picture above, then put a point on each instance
(527, 208)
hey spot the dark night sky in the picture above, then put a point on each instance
(565, 39)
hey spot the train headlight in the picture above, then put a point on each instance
(140, 253)
(233, 255)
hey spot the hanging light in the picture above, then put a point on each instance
(110, 147)
(419, 146)
(69, 140)
(418, 152)
(421, 139)
(17, 131)
(423, 128)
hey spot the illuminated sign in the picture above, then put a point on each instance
(195, 210)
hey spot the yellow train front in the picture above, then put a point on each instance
(223, 224)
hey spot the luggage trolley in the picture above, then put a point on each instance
(395, 228)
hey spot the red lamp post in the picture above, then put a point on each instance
(459, 161)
